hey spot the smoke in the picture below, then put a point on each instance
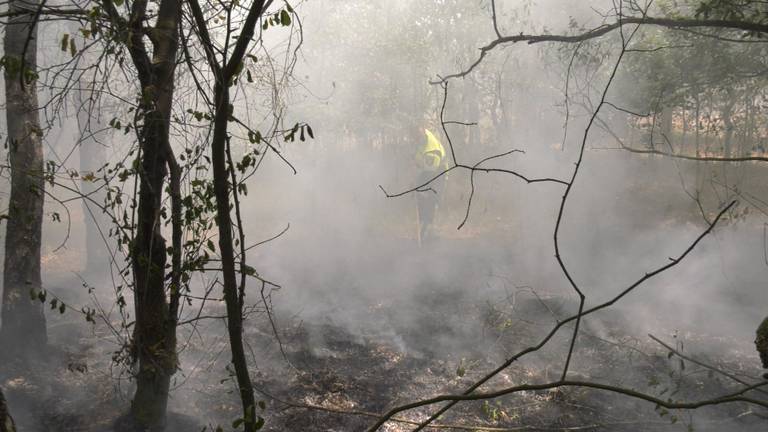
(350, 260)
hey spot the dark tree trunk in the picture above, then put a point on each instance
(23, 321)
(234, 294)
(156, 354)
(156, 315)
(761, 342)
(6, 421)
(231, 298)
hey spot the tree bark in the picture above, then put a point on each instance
(727, 114)
(233, 294)
(6, 421)
(226, 248)
(156, 320)
(23, 320)
(666, 125)
(761, 343)
(92, 157)
(697, 124)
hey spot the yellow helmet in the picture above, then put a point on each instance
(433, 145)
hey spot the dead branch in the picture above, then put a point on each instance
(533, 348)
(702, 364)
(597, 32)
(737, 396)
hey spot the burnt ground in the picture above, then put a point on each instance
(368, 374)
(334, 376)
(329, 377)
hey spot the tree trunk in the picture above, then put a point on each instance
(156, 320)
(233, 301)
(23, 321)
(683, 138)
(155, 354)
(6, 421)
(761, 342)
(697, 123)
(749, 126)
(666, 128)
(728, 124)
(233, 294)
(92, 158)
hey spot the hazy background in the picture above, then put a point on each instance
(350, 258)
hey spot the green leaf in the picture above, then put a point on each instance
(236, 424)
(65, 42)
(285, 18)
(250, 271)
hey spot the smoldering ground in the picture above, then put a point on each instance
(354, 283)
(368, 319)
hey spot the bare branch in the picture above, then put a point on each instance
(737, 396)
(702, 364)
(533, 348)
(672, 23)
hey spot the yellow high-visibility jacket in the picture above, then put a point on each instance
(435, 148)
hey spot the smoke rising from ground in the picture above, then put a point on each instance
(350, 259)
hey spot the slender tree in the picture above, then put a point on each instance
(225, 70)
(92, 157)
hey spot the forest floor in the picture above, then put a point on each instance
(341, 383)
(332, 378)
(327, 375)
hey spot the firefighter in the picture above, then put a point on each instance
(432, 161)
